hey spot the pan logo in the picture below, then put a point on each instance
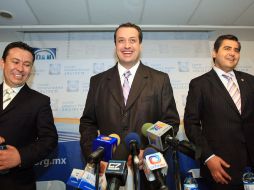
(45, 53)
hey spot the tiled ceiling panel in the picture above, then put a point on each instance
(60, 12)
(168, 12)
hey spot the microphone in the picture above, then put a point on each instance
(116, 172)
(145, 127)
(155, 166)
(103, 148)
(188, 149)
(184, 147)
(157, 134)
(132, 141)
(161, 136)
(116, 136)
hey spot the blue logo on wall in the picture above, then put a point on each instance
(45, 53)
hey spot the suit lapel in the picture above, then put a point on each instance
(19, 98)
(137, 86)
(1, 97)
(214, 78)
(114, 86)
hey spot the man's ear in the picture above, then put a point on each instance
(214, 54)
(2, 63)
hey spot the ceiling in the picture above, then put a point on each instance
(104, 15)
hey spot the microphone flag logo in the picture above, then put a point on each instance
(154, 159)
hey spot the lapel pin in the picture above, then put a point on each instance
(242, 80)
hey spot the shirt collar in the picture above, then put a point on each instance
(15, 89)
(220, 72)
(133, 69)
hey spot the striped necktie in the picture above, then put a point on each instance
(7, 97)
(233, 91)
(126, 86)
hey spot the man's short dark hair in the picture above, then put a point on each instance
(20, 45)
(130, 25)
(221, 38)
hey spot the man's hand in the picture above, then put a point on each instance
(103, 167)
(9, 158)
(215, 165)
(2, 140)
(141, 162)
(140, 157)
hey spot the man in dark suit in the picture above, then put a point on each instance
(219, 117)
(26, 121)
(150, 99)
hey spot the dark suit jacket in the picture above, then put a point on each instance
(213, 122)
(150, 100)
(26, 123)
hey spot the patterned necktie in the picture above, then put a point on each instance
(126, 86)
(7, 97)
(233, 91)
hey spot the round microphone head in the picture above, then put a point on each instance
(117, 137)
(149, 151)
(132, 137)
(145, 127)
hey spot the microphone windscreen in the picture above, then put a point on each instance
(117, 137)
(108, 143)
(121, 153)
(131, 137)
(149, 151)
(145, 127)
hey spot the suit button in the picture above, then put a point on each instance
(125, 114)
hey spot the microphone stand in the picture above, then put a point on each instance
(135, 174)
(96, 171)
(176, 165)
(173, 144)
(134, 153)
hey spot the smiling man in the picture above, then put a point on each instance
(123, 98)
(219, 117)
(27, 130)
